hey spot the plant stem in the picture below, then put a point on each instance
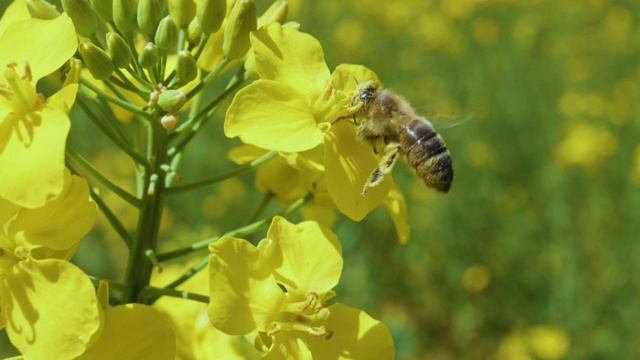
(124, 104)
(216, 179)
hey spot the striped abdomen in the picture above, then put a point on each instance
(426, 152)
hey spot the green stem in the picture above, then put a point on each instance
(189, 273)
(212, 75)
(111, 217)
(139, 268)
(124, 195)
(123, 104)
(216, 179)
(114, 137)
(239, 232)
(149, 294)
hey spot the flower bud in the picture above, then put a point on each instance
(186, 69)
(172, 100)
(167, 34)
(169, 121)
(277, 12)
(149, 15)
(194, 32)
(96, 60)
(182, 12)
(242, 21)
(104, 9)
(118, 50)
(149, 56)
(210, 14)
(124, 15)
(82, 15)
(41, 9)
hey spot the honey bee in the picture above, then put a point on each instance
(390, 119)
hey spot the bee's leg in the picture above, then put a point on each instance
(386, 164)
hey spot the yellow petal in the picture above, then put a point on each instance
(38, 50)
(60, 223)
(273, 116)
(50, 308)
(304, 257)
(285, 182)
(397, 208)
(292, 57)
(32, 157)
(245, 153)
(345, 76)
(356, 335)
(348, 164)
(63, 100)
(288, 346)
(132, 332)
(244, 294)
(14, 12)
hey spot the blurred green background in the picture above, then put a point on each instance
(533, 254)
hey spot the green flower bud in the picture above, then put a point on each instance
(167, 34)
(118, 50)
(194, 32)
(186, 69)
(242, 21)
(172, 100)
(210, 14)
(96, 60)
(124, 15)
(277, 12)
(182, 12)
(149, 56)
(41, 9)
(82, 15)
(149, 14)
(104, 9)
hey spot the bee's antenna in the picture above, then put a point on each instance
(356, 80)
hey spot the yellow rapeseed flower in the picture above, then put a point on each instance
(33, 131)
(47, 304)
(280, 290)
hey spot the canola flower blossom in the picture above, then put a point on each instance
(280, 290)
(137, 72)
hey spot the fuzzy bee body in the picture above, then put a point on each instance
(388, 118)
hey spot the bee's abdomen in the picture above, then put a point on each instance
(426, 152)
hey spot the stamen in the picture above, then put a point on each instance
(276, 329)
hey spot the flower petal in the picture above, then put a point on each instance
(304, 257)
(133, 331)
(356, 335)
(345, 76)
(32, 152)
(291, 57)
(16, 11)
(288, 346)
(274, 116)
(60, 223)
(397, 208)
(348, 165)
(50, 308)
(63, 100)
(42, 57)
(244, 294)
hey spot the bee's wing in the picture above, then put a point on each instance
(443, 120)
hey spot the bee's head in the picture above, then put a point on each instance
(366, 92)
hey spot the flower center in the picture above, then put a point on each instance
(304, 317)
(19, 90)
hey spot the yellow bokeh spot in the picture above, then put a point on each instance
(479, 153)
(513, 347)
(578, 69)
(525, 31)
(485, 30)
(476, 278)
(350, 34)
(571, 104)
(548, 342)
(586, 145)
(515, 197)
(618, 23)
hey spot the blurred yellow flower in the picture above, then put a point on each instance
(548, 342)
(586, 145)
(476, 278)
